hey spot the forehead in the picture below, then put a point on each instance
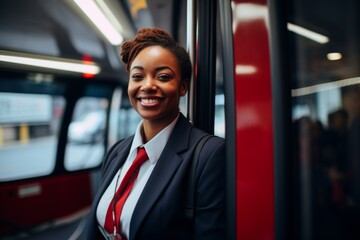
(154, 56)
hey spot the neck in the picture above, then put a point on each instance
(150, 128)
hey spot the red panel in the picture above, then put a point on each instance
(29, 203)
(254, 136)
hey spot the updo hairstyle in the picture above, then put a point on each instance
(147, 37)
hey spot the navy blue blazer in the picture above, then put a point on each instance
(160, 211)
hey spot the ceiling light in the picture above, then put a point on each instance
(62, 64)
(110, 15)
(104, 25)
(317, 37)
(334, 56)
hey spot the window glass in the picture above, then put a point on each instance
(127, 120)
(219, 119)
(219, 125)
(86, 134)
(29, 126)
(325, 78)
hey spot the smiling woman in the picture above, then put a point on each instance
(153, 207)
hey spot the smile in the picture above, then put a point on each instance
(149, 102)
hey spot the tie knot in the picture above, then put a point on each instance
(141, 156)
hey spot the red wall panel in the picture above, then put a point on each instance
(29, 203)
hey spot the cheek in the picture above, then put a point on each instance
(131, 89)
(131, 96)
(174, 92)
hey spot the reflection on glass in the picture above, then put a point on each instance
(219, 126)
(88, 128)
(326, 120)
(86, 134)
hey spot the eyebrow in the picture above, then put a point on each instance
(137, 67)
(157, 69)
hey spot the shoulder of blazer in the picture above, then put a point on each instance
(112, 152)
(190, 196)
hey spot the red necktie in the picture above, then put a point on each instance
(112, 221)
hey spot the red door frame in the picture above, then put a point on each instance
(254, 125)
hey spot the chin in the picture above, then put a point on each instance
(166, 118)
(149, 116)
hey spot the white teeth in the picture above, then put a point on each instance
(149, 100)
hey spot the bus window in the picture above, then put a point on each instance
(86, 134)
(326, 118)
(128, 122)
(125, 120)
(29, 125)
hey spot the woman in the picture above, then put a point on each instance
(154, 208)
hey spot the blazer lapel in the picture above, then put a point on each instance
(117, 156)
(164, 170)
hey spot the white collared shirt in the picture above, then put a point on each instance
(153, 149)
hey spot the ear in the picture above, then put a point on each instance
(184, 86)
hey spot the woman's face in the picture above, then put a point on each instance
(155, 84)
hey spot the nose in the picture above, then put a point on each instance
(149, 84)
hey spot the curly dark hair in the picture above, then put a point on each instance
(147, 37)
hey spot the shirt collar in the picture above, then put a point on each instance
(155, 146)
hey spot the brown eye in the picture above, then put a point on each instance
(136, 77)
(164, 77)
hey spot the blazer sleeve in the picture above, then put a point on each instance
(209, 218)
